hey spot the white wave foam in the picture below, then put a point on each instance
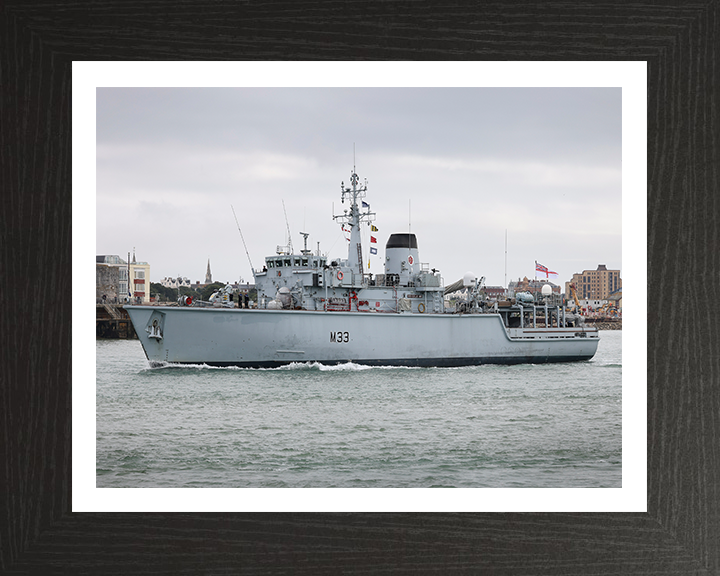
(177, 366)
(344, 367)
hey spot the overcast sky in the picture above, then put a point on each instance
(460, 166)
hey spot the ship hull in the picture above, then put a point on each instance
(271, 338)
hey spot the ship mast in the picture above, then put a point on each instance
(358, 212)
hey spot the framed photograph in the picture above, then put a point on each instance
(537, 151)
(53, 527)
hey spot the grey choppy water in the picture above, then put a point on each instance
(531, 426)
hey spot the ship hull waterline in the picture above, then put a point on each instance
(272, 338)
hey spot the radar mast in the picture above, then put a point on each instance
(358, 212)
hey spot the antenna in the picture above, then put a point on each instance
(505, 258)
(243, 239)
(305, 237)
(288, 228)
(409, 217)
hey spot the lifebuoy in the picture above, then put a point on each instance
(421, 307)
(279, 273)
(340, 275)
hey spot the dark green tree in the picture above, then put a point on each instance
(163, 293)
(188, 291)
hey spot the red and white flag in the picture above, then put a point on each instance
(544, 270)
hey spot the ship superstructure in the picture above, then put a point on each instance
(313, 308)
(309, 281)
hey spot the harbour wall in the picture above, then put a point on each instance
(605, 323)
(113, 322)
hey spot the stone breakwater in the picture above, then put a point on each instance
(111, 321)
(605, 324)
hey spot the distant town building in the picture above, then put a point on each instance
(615, 299)
(140, 280)
(111, 279)
(495, 292)
(208, 274)
(243, 286)
(176, 282)
(595, 284)
(592, 305)
(532, 286)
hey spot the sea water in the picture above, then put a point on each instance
(352, 426)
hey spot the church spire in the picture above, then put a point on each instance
(208, 274)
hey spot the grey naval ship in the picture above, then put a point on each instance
(311, 308)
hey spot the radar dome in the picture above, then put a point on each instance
(546, 290)
(468, 279)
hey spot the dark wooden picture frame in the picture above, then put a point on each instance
(679, 534)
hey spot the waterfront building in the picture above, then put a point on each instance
(533, 286)
(595, 284)
(495, 292)
(111, 279)
(140, 280)
(119, 280)
(615, 298)
(592, 304)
